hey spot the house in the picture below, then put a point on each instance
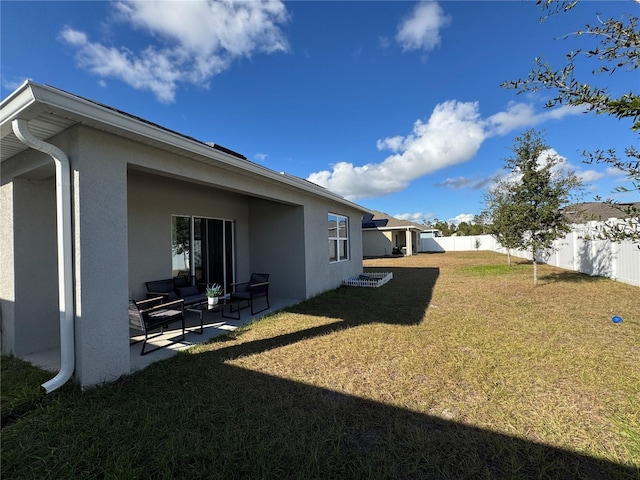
(579, 213)
(386, 235)
(94, 202)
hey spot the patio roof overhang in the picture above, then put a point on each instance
(50, 111)
(397, 229)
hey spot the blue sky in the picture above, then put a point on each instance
(394, 105)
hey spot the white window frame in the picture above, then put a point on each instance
(336, 238)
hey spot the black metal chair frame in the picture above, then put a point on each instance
(157, 315)
(256, 287)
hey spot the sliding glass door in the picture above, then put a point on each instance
(213, 239)
(204, 247)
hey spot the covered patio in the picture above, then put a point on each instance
(97, 202)
(214, 326)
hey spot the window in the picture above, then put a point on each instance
(338, 238)
(180, 245)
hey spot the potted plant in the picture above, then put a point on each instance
(213, 292)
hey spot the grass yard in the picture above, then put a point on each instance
(457, 368)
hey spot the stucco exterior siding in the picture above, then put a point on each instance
(7, 272)
(321, 274)
(28, 289)
(35, 266)
(376, 243)
(100, 257)
(128, 178)
(153, 199)
(276, 236)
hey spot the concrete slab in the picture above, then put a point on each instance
(214, 326)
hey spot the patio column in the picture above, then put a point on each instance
(99, 171)
(408, 242)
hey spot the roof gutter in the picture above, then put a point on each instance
(65, 260)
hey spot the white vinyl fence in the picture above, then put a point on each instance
(618, 261)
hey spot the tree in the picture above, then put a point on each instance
(501, 212)
(447, 229)
(526, 209)
(181, 239)
(480, 221)
(616, 52)
(464, 229)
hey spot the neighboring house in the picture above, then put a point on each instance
(580, 213)
(431, 233)
(128, 201)
(386, 235)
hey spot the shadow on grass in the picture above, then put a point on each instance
(571, 277)
(197, 416)
(392, 303)
(319, 433)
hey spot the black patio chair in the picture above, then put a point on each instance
(154, 315)
(174, 289)
(257, 287)
(162, 288)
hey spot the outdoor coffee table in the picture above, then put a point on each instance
(231, 303)
(203, 307)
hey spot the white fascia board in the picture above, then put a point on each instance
(96, 115)
(400, 228)
(14, 106)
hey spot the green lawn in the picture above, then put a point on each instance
(457, 368)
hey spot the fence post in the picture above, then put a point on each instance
(614, 260)
(576, 265)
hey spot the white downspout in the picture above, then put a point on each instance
(65, 260)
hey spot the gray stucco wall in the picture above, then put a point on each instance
(376, 243)
(322, 275)
(36, 273)
(100, 256)
(124, 194)
(28, 285)
(153, 199)
(277, 247)
(99, 250)
(7, 276)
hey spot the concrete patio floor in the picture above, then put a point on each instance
(214, 326)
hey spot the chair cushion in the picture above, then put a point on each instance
(163, 286)
(171, 296)
(193, 299)
(181, 282)
(188, 291)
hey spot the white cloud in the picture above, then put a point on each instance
(260, 156)
(417, 217)
(154, 70)
(590, 176)
(421, 30)
(475, 183)
(13, 83)
(463, 217)
(394, 144)
(452, 135)
(615, 172)
(523, 115)
(197, 40)
(561, 166)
